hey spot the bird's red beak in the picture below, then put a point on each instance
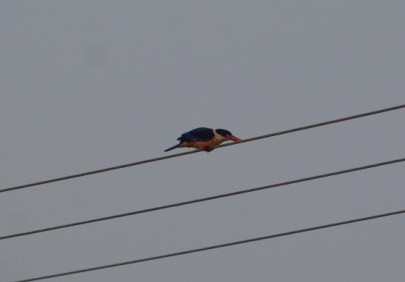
(233, 138)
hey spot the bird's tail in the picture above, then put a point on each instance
(171, 148)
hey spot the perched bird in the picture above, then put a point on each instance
(203, 138)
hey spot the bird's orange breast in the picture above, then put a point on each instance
(202, 145)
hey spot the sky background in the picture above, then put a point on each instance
(92, 84)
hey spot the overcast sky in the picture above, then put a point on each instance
(92, 84)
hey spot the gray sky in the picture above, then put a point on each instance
(92, 84)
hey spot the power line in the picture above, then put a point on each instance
(190, 251)
(204, 199)
(195, 151)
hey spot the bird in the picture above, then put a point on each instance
(203, 138)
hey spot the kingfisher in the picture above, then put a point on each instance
(204, 138)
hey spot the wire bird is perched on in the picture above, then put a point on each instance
(204, 138)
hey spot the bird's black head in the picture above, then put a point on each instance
(223, 132)
(227, 134)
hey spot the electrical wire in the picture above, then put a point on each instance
(19, 187)
(204, 199)
(212, 247)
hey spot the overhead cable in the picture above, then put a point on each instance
(199, 200)
(19, 187)
(212, 247)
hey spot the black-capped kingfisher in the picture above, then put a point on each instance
(204, 138)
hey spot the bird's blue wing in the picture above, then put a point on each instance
(198, 134)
